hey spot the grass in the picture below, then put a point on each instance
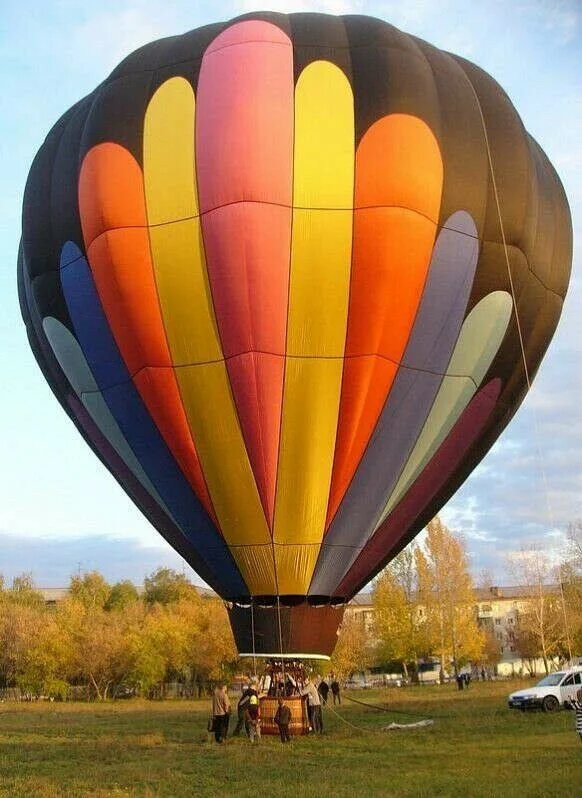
(477, 747)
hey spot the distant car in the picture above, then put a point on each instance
(550, 693)
(356, 684)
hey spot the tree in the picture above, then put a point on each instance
(22, 609)
(121, 595)
(575, 543)
(100, 653)
(24, 592)
(91, 589)
(166, 586)
(44, 666)
(541, 623)
(491, 653)
(571, 588)
(446, 591)
(352, 652)
(399, 623)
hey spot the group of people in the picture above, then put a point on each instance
(326, 686)
(248, 715)
(281, 682)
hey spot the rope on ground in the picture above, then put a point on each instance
(362, 729)
(425, 722)
(380, 708)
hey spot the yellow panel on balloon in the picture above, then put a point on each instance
(191, 329)
(317, 316)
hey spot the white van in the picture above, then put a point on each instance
(550, 693)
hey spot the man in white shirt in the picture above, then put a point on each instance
(313, 706)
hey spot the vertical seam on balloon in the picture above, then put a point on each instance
(502, 229)
(218, 332)
(294, 87)
(161, 314)
(98, 93)
(436, 233)
(399, 365)
(331, 480)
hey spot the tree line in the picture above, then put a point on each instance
(426, 606)
(102, 641)
(103, 638)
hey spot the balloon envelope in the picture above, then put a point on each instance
(270, 269)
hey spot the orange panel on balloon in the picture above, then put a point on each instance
(110, 191)
(118, 249)
(398, 187)
(121, 265)
(160, 393)
(366, 382)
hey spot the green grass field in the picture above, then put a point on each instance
(477, 747)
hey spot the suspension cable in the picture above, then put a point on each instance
(253, 636)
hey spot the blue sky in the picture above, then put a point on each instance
(59, 508)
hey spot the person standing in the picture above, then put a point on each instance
(576, 705)
(240, 710)
(323, 690)
(335, 691)
(220, 713)
(253, 718)
(282, 719)
(313, 706)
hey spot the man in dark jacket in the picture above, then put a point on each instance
(335, 691)
(283, 719)
(323, 690)
(220, 713)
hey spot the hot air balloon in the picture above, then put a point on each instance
(290, 277)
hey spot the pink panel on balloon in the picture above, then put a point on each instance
(449, 455)
(244, 161)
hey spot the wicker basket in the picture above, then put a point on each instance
(299, 719)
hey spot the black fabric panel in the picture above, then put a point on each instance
(466, 168)
(551, 259)
(64, 203)
(117, 115)
(37, 236)
(392, 77)
(49, 300)
(319, 37)
(510, 155)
